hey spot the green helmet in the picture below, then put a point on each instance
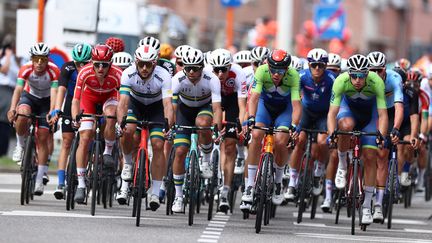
(81, 52)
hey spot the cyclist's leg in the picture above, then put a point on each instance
(109, 108)
(21, 125)
(204, 118)
(41, 108)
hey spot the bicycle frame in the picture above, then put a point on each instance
(355, 162)
(143, 145)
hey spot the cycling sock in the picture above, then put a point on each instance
(406, 166)
(240, 151)
(342, 160)
(206, 151)
(45, 168)
(178, 182)
(319, 168)
(156, 187)
(293, 177)
(20, 141)
(368, 191)
(40, 174)
(125, 185)
(379, 195)
(61, 177)
(225, 190)
(109, 144)
(329, 189)
(128, 158)
(252, 169)
(81, 177)
(421, 177)
(279, 171)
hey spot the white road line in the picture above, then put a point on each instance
(359, 238)
(207, 240)
(211, 232)
(214, 228)
(217, 222)
(210, 236)
(419, 231)
(3, 190)
(216, 225)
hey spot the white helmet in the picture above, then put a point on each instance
(40, 49)
(259, 53)
(242, 57)
(344, 65)
(151, 41)
(317, 55)
(334, 60)
(296, 63)
(192, 56)
(376, 59)
(358, 63)
(220, 58)
(146, 53)
(122, 59)
(178, 51)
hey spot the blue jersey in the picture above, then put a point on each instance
(68, 76)
(316, 96)
(393, 88)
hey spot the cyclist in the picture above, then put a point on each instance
(259, 56)
(35, 93)
(233, 93)
(275, 99)
(166, 51)
(97, 86)
(334, 63)
(145, 93)
(296, 63)
(117, 44)
(122, 60)
(395, 109)
(81, 55)
(315, 84)
(357, 101)
(404, 64)
(198, 103)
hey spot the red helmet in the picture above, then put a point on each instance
(102, 53)
(413, 75)
(279, 59)
(116, 44)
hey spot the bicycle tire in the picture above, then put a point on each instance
(391, 193)
(26, 171)
(269, 191)
(302, 187)
(232, 195)
(338, 205)
(354, 179)
(95, 177)
(170, 188)
(104, 189)
(141, 181)
(193, 164)
(213, 183)
(314, 206)
(262, 193)
(71, 175)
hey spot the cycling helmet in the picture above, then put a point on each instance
(413, 75)
(376, 59)
(166, 51)
(296, 63)
(146, 53)
(151, 41)
(220, 58)
(357, 63)
(259, 53)
(40, 49)
(193, 56)
(401, 73)
(116, 44)
(242, 57)
(317, 55)
(178, 51)
(207, 57)
(403, 63)
(102, 53)
(122, 59)
(279, 59)
(334, 60)
(81, 52)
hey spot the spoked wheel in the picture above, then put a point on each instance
(391, 193)
(140, 186)
(170, 188)
(338, 204)
(27, 171)
(314, 206)
(354, 195)
(193, 190)
(71, 176)
(302, 187)
(95, 177)
(213, 183)
(262, 192)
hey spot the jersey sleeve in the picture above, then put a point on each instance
(240, 81)
(295, 84)
(215, 87)
(414, 104)
(166, 85)
(64, 75)
(54, 73)
(23, 74)
(397, 88)
(258, 81)
(125, 86)
(338, 89)
(79, 85)
(175, 88)
(379, 88)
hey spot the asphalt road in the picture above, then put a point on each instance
(46, 220)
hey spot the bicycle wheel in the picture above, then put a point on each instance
(261, 193)
(140, 187)
(338, 205)
(192, 186)
(269, 191)
(213, 183)
(353, 195)
(26, 171)
(95, 176)
(170, 188)
(314, 206)
(391, 194)
(304, 182)
(71, 175)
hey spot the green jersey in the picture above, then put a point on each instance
(372, 92)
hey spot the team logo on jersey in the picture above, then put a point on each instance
(230, 83)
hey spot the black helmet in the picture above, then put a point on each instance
(279, 59)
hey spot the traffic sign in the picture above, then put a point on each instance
(58, 57)
(231, 3)
(330, 21)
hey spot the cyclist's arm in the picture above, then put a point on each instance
(75, 110)
(383, 121)
(398, 100)
(414, 119)
(399, 113)
(257, 88)
(216, 98)
(16, 96)
(335, 101)
(242, 109)
(295, 99)
(122, 106)
(53, 94)
(63, 83)
(217, 114)
(168, 110)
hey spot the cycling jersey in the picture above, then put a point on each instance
(206, 90)
(167, 65)
(316, 96)
(235, 82)
(424, 103)
(249, 73)
(38, 86)
(288, 89)
(68, 76)
(393, 88)
(411, 103)
(155, 88)
(427, 88)
(371, 93)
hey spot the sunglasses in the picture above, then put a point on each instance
(180, 64)
(357, 75)
(39, 59)
(277, 71)
(314, 65)
(220, 69)
(376, 70)
(141, 64)
(81, 64)
(101, 64)
(192, 68)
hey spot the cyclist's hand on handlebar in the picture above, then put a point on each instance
(11, 114)
(332, 139)
(295, 131)
(380, 140)
(415, 142)
(394, 135)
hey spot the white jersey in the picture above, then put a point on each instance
(249, 73)
(427, 88)
(235, 82)
(155, 88)
(206, 90)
